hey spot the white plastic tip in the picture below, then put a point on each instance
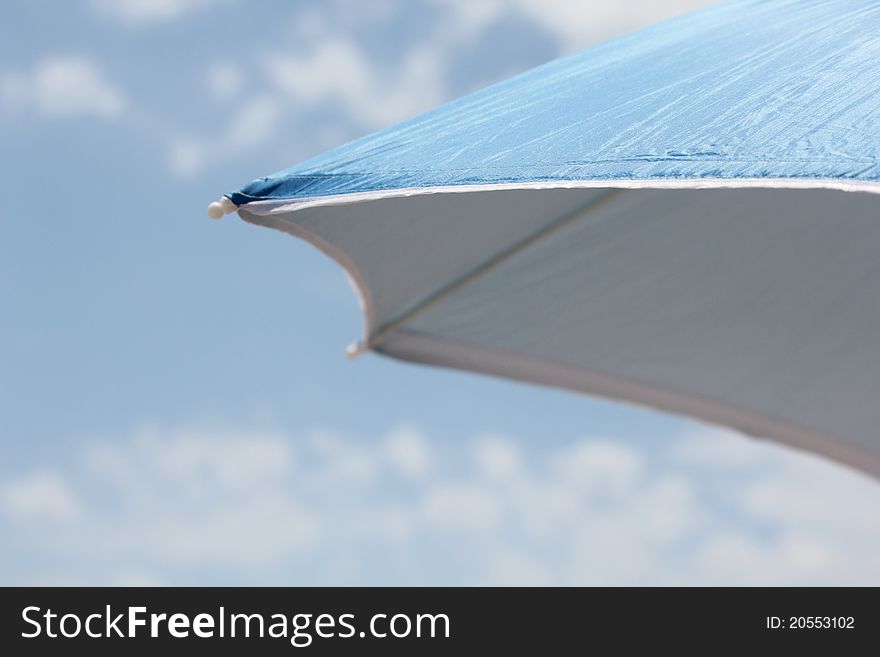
(354, 350)
(217, 209)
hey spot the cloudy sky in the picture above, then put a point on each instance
(175, 405)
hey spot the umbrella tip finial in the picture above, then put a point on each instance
(217, 209)
(355, 349)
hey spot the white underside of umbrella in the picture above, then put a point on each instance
(755, 307)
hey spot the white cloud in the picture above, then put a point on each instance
(254, 123)
(337, 71)
(63, 87)
(579, 24)
(463, 507)
(187, 156)
(39, 496)
(715, 448)
(600, 465)
(471, 17)
(341, 461)
(498, 458)
(224, 80)
(211, 506)
(137, 13)
(193, 496)
(808, 492)
(408, 450)
(332, 70)
(574, 23)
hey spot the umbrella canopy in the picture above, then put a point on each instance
(686, 217)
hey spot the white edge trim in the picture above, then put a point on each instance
(283, 206)
(419, 347)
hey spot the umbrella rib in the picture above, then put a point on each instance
(484, 267)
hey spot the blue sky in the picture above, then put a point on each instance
(175, 405)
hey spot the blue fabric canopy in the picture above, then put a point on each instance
(686, 218)
(746, 90)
